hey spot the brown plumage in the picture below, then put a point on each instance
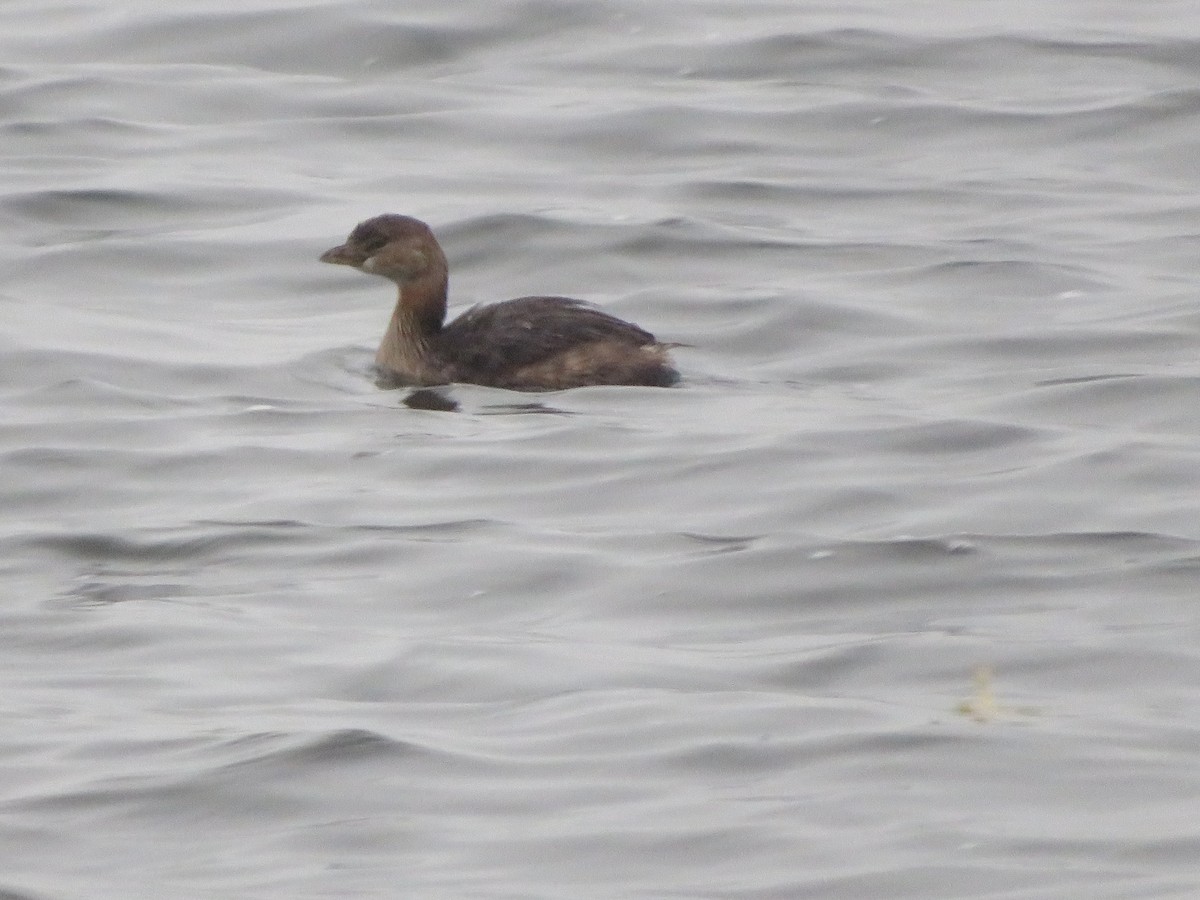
(527, 344)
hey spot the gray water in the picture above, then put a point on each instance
(894, 596)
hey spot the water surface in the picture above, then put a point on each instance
(269, 632)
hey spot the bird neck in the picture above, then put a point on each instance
(416, 321)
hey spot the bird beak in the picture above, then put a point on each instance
(342, 255)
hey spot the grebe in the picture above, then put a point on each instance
(527, 344)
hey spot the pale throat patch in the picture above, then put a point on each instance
(418, 260)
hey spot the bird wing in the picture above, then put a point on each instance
(527, 330)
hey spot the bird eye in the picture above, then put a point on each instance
(368, 239)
